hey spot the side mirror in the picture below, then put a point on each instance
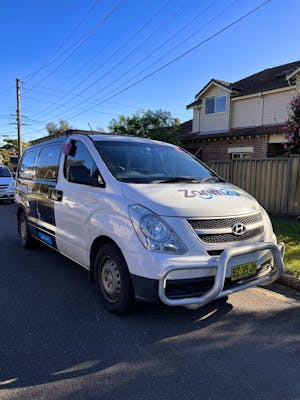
(81, 175)
(69, 148)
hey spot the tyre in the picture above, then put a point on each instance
(27, 240)
(113, 280)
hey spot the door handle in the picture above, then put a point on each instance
(54, 194)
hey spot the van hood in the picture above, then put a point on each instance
(192, 200)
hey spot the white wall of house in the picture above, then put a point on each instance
(217, 121)
(298, 83)
(275, 109)
(196, 119)
(246, 112)
(254, 110)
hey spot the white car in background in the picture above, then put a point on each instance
(7, 184)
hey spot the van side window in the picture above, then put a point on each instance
(80, 167)
(27, 166)
(48, 163)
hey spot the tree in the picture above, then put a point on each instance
(10, 148)
(11, 145)
(4, 156)
(52, 128)
(159, 125)
(292, 146)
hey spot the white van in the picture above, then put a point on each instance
(7, 184)
(148, 220)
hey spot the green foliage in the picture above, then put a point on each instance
(11, 145)
(293, 127)
(159, 125)
(4, 156)
(53, 128)
(288, 231)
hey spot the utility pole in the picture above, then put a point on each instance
(19, 118)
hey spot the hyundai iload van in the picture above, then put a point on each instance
(148, 220)
(7, 184)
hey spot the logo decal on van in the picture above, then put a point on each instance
(208, 194)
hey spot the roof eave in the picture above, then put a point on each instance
(297, 71)
(209, 84)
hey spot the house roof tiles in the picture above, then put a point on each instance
(268, 79)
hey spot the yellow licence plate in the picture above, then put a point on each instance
(243, 271)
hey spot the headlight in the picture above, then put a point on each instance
(154, 232)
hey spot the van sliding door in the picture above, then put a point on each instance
(47, 173)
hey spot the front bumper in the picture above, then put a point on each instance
(218, 288)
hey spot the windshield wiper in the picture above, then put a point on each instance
(211, 179)
(177, 179)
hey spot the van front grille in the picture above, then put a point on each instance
(224, 222)
(230, 237)
(220, 230)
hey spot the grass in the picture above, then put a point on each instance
(288, 231)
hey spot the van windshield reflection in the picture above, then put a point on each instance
(140, 162)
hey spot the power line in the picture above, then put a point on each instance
(163, 25)
(62, 92)
(78, 108)
(84, 97)
(123, 45)
(156, 49)
(52, 58)
(178, 57)
(7, 89)
(165, 54)
(84, 39)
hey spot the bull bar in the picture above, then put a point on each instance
(217, 291)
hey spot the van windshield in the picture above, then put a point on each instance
(4, 172)
(139, 162)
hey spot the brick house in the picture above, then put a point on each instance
(244, 119)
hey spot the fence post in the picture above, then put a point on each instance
(286, 200)
(231, 171)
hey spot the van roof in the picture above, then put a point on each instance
(94, 135)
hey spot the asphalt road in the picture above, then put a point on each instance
(56, 342)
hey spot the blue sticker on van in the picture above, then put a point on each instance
(45, 238)
(208, 194)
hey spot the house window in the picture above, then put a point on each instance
(239, 153)
(215, 104)
(240, 156)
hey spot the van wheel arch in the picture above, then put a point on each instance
(113, 281)
(97, 243)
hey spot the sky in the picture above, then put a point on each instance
(89, 61)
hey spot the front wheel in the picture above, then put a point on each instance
(113, 280)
